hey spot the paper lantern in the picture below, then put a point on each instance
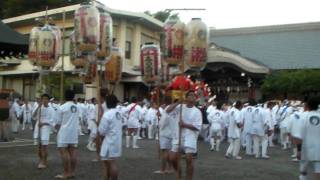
(195, 44)
(104, 52)
(57, 32)
(77, 58)
(174, 41)
(87, 28)
(88, 78)
(33, 45)
(150, 62)
(113, 68)
(47, 47)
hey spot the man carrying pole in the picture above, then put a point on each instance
(190, 123)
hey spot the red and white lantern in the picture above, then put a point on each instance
(77, 58)
(47, 48)
(86, 26)
(150, 62)
(105, 48)
(195, 44)
(33, 45)
(57, 32)
(174, 41)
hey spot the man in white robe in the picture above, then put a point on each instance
(190, 124)
(45, 121)
(67, 139)
(307, 139)
(217, 120)
(234, 130)
(110, 130)
(26, 110)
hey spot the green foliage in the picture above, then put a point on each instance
(162, 15)
(299, 82)
(52, 84)
(12, 8)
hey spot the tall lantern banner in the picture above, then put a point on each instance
(150, 62)
(33, 45)
(47, 48)
(86, 26)
(113, 68)
(57, 32)
(105, 47)
(174, 41)
(77, 58)
(196, 44)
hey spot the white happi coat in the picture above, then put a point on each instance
(47, 116)
(151, 117)
(259, 122)
(165, 129)
(69, 120)
(309, 133)
(217, 120)
(134, 113)
(27, 110)
(91, 117)
(235, 117)
(191, 116)
(111, 128)
(247, 119)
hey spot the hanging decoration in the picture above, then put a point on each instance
(113, 68)
(77, 58)
(150, 62)
(33, 45)
(195, 44)
(47, 51)
(174, 41)
(105, 47)
(86, 27)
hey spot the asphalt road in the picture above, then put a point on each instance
(18, 161)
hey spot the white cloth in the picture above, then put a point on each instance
(247, 118)
(27, 110)
(235, 117)
(192, 116)
(164, 125)
(216, 119)
(47, 116)
(111, 128)
(69, 115)
(134, 113)
(309, 133)
(259, 122)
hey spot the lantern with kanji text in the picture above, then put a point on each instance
(105, 47)
(174, 41)
(48, 40)
(33, 45)
(195, 44)
(150, 62)
(87, 28)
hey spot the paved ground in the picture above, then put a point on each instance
(18, 162)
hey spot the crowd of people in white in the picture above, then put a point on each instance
(249, 126)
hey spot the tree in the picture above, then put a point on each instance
(296, 83)
(12, 8)
(162, 15)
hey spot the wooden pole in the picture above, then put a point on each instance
(62, 57)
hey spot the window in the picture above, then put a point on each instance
(128, 50)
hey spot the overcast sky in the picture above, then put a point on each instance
(231, 13)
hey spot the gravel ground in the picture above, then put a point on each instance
(18, 162)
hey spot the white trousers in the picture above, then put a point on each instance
(14, 124)
(234, 147)
(249, 141)
(260, 141)
(150, 131)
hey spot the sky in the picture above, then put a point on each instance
(223, 14)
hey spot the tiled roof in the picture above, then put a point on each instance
(293, 46)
